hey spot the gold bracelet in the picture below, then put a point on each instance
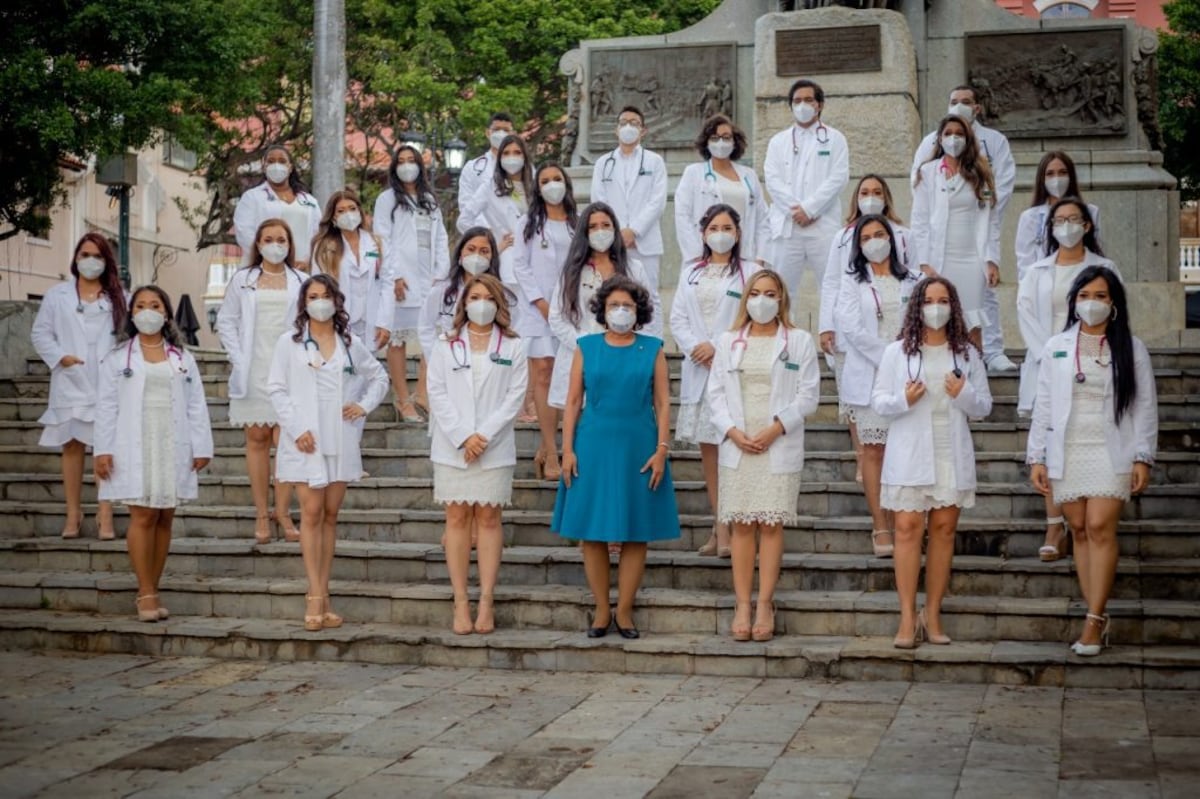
(664, 444)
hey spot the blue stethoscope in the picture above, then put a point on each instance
(821, 133)
(318, 361)
(737, 350)
(127, 372)
(693, 278)
(462, 358)
(610, 163)
(710, 179)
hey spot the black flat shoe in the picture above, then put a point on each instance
(600, 632)
(626, 632)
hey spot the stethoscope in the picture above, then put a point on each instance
(542, 232)
(462, 359)
(317, 361)
(79, 300)
(693, 278)
(610, 163)
(127, 372)
(736, 355)
(957, 372)
(301, 198)
(479, 165)
(710, 180)
(1080, 377)
(821, 134)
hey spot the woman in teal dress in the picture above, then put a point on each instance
(616, 483)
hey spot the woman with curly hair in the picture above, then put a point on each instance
(930, 382)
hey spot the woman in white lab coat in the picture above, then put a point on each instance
(871, 304)
(716, 180)
(323, 383)
(956, 226)
(764, 381)
(475, 254)
(929, 384)
(1094, 433)
(152, 435)
(76, 325)
(1056, 179)
(353, 256)
(504, 199)
(282, 195)
(416, 251)
(706, 302)
(477, 379)
(539, 251)
(1042, 312)
(258, 306)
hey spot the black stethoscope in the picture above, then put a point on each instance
(736, 355)
(542, 232)
(318, 362)
(79, 300)
(301, 198)
(1080, 377)
(821, 134)
(693, 278)
(610, 163)
(462, 359)
(480, 165)
(127, 372)
(957, 372)
(710, 180)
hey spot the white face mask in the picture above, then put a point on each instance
(804, 113)
(1068, 234)
(350, 220)
(407, 172)
(553, 191)
(620, 320)
(277, 172)
(954, 145)
(1093, 312)
(1057, 186)
(475, 264)
(762, 309)
(600, 240)
(481, 312)
(321, 310)
(274, 253)
(963, 111)
(719, 148)
(497, 137)
(870, 204)
(90, 267)
(721, 242)
(512, 164)
(628, 134)
(935, 316)
(877, 250)
(148, 321)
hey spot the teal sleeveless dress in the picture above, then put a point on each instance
(610, 500)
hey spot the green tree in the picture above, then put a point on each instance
(1179, 93)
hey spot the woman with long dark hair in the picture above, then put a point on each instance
(475, 254)
(930, 382)
(1056, 179)
(323, 383)
(152, 435)
(281, 195)
(76, 325)
(504, 200)
(1094, 433)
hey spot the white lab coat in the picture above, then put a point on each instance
(698, 190)
(839, 263)
(235, 322)
(566, 333)
(477, 170)
(638, 202)
(858, 333)
(688, 325)
(501, 216)
(455, 415)
(795, 393)
(359, 280)
(1035, 315)
(993, 145)
(119, 422)
(1031, 244)
(815, 184)
(58, 330)
(292, 385)
(261, 203)
(1134, 439)
(537, 270)
(909, 458)
(397, 229)
(931, 212)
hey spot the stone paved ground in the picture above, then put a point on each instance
(114, 725)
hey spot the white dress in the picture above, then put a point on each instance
(473, 485)
(944, 492)
(270, 322)
(158, 440)
(694, 424)
(406, 320)
(1064, 276)
(298, 216)
(63, 425)
(961, 264)
(872, 428)
(734, 193)
(1087, 469)
(751, 493)
(556, 233)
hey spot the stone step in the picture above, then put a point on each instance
(31, 522)
(382, 563)
(1000, 662)
(567, 607)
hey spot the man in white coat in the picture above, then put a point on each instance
(993, 145)
(806, 168)
(633, 182)
(479, 170)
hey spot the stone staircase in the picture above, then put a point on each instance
(1009, 614)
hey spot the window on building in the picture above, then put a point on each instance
(176, 155)
(1065, 9)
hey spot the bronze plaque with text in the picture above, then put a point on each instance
(812, 51)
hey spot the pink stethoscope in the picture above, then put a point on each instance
(736, 355)
(171, 350)
(462, 359)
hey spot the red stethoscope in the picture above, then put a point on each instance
(736, 355)
(1080, 377)
(462, 358)
(171, 350)
(821, 134)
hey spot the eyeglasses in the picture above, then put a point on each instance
(624, 122)
(1075, 219)
(726, 139)
(614, 306)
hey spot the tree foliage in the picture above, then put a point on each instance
(1179, 93)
